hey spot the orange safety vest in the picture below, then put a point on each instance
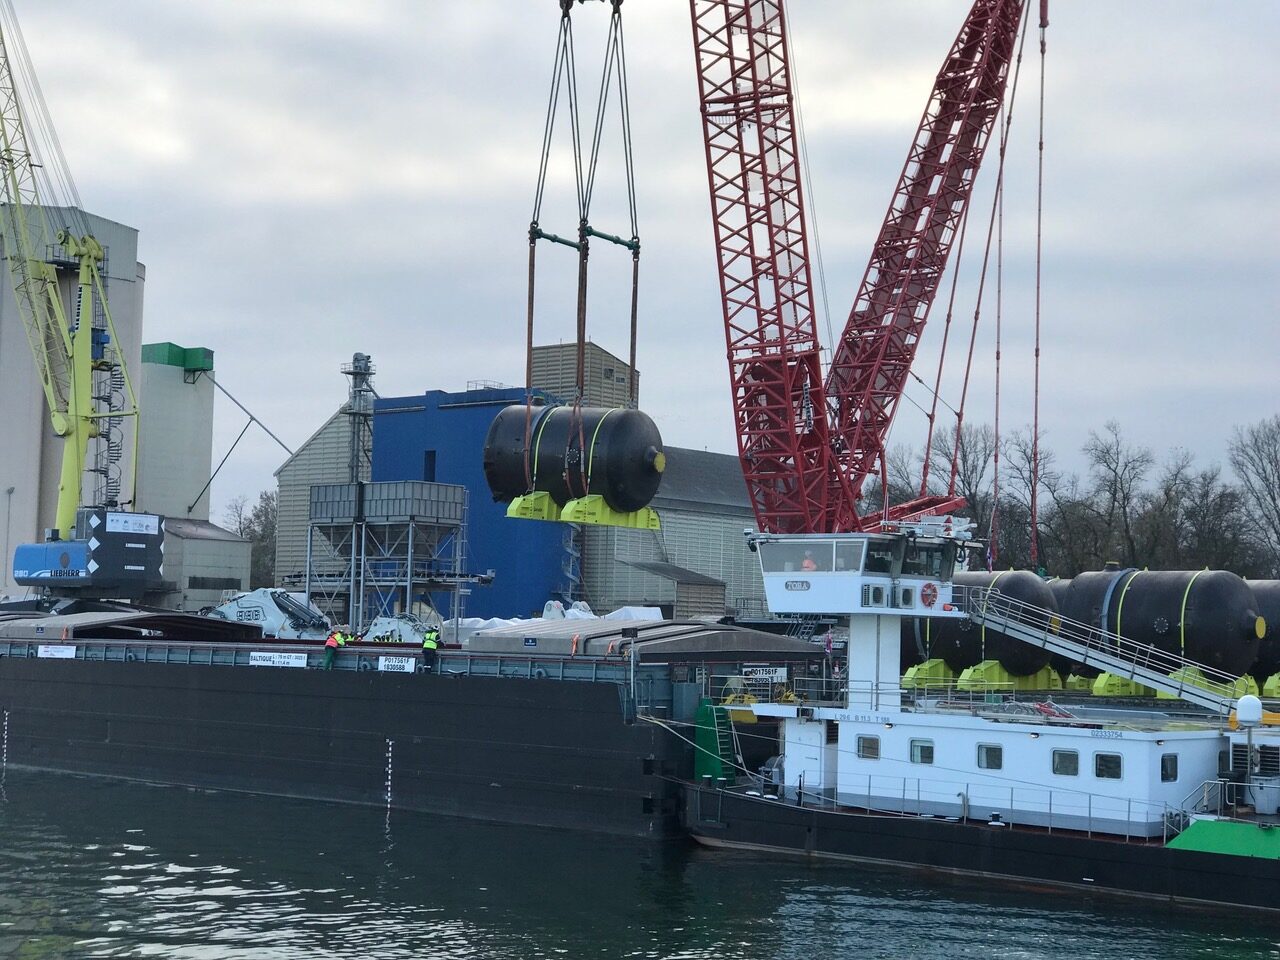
(332, 641)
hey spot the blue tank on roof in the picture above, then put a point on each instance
(439, 437)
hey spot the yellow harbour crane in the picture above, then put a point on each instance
(73, 340)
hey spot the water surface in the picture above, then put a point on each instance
(97, 868)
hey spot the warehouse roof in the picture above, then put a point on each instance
(189, 529)
(702, 477)
(673, 572)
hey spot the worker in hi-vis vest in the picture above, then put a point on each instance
(430, 642)
(337, 638)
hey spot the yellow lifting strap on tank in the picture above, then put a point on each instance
(592, 509)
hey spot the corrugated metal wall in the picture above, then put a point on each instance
(706, 542)
(322, 459)
(555, 370)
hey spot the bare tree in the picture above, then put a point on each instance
(236, 516)
(974, 458)
(1159, 529)
(1255, 457)
(257, 524)
(1019, 454)
(1118, 469)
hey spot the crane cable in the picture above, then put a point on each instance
(1035, 421)
(565, 71)
(993, 549)
(59, 187)
(812, 211)
(982, 277)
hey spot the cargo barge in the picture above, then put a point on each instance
(1175, 801)
(535, 724)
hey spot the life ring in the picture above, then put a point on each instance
(539, 673)
(929, 594)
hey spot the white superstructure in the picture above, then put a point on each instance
(852, 741)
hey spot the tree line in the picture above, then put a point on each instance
(1128, 506)
(256, 523)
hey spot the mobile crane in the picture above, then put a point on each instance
(808, 442)
(95, 546)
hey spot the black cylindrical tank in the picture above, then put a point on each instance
(1208, 616)
(1065, 666)
(1267, 594)
(914, 641)
(962, 643)
(614, 452)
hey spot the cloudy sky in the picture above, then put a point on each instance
(317, 177)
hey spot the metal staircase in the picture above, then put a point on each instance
(726, 741)
(1094, 647)
(804, 628)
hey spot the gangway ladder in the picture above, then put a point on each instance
(727, 742)
(1092, 646)
(804, 629)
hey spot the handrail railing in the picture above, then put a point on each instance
(1090, 645)
(1053, 808)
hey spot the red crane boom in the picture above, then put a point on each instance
(873, 356)
(807, 446)
(775, 365)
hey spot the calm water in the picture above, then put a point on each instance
(93, 868)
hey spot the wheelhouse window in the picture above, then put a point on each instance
(1066, 763)
(849, 555)
(1108, 766)
(922, 751)
(880, 556)
(868, 748)
(990, 756)
(1169, 768)
(805, 556)
(923, 560)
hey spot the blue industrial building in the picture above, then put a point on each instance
(439, 437)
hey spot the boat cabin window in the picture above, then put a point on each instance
(928, 560)
(884, 556)
(1066, 763)
(1108, 766)
(868, 748)
(796, 556)
(922, 751)
(849, 555)
(1169, 768)
(990, 756)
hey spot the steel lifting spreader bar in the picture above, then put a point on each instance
(633, 244)
(536, 233)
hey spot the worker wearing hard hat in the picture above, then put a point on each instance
(338, 637)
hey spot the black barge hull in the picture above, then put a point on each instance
(527, 751)
(1017, 857)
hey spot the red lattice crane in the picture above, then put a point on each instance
(808, 445)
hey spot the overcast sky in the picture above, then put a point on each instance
(317, 177)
